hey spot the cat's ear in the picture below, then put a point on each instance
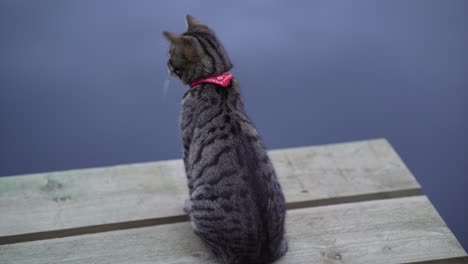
(185, 42)
(192, 22)
(173, 37)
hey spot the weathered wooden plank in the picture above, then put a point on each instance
(74, 202)
(397, 230)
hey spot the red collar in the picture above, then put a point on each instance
(222, 79)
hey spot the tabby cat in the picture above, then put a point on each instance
(235, 203)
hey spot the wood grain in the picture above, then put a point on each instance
(401, 230)
(57, 204)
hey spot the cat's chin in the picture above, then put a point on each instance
(172, 73)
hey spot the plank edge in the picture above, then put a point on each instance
(149, 162)
(455, 260)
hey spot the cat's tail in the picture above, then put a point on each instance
(267, 256)
(280, 251)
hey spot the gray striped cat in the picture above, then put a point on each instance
(235, 203)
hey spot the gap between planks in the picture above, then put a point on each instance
(182, 218)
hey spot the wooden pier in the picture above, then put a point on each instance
(347, 203)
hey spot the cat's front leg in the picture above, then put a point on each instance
(187, 206)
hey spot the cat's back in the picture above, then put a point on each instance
(237, 203)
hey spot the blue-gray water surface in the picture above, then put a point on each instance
(84, 83)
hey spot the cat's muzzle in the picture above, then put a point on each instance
(172, 70)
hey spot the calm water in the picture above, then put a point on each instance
(84, 83)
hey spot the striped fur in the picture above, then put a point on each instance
(235, 203)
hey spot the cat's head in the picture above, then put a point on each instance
(196, 53)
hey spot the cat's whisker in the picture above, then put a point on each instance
(165, 88)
